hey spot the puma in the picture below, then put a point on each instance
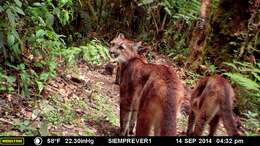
(212, 100)
(140, 52)
(118, 71)
(150, 94)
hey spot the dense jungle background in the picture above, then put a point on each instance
(54, 54)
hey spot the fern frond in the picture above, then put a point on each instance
(256, 70)
(256, 76)
(244, 64)
(231, 65)
(95, 52)
(243, 81)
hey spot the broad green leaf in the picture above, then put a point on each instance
(40, 33)
(37, 4)
(11, 17)
(56, 11)
(18, 3)
(44, 76)
(20, 11)
(10, 39)
(40, 86)
(11, 79)
(15, 33)
(1, 9)
(16, 49)
(62, 2)
(50, 20)
(66, 16)
(145, 2)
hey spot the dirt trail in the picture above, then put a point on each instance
(110, 90)
(79, 102)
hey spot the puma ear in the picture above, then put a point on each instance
(124, 46)
(120, 35)
(140, 48)
(137, 46)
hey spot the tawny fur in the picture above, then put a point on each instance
(212, 100)
(150, 94)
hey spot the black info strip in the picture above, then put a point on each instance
(129, 141)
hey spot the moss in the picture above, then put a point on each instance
(224, 43)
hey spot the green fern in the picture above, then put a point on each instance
(252, 123)
(243, 64)
(70, 54)
(179, 9)
(231, 65)
(243, 81)
(256, 76)
(245, 68)
(95, 52)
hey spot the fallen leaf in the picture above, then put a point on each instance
(44, 128)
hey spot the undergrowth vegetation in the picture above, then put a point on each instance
(41, 39)
(245, 77)
(31, 47)
(33, 50)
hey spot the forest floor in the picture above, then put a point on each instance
(79, 101)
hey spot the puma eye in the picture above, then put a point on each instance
(121, 48)
(112, 44)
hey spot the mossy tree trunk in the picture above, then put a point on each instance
(199, 34)
(230, 33)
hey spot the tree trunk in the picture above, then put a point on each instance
(230, 30)
(199, 33)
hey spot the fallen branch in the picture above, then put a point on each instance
(6, 121)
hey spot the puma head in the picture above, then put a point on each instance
(123, 49)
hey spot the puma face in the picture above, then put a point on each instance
(122, 50)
